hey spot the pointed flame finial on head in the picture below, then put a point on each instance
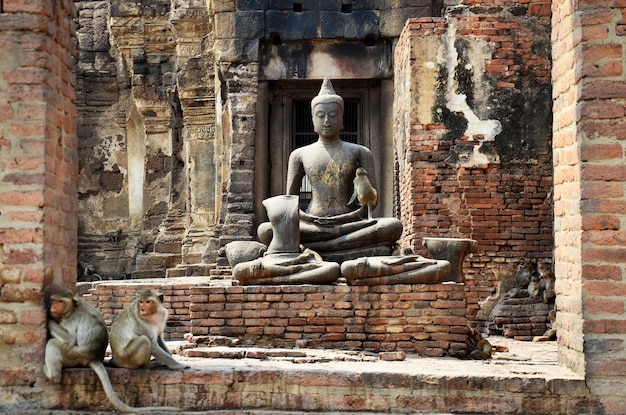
(327, 94)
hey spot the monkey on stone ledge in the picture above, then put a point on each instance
(137, 334)
(79, 338)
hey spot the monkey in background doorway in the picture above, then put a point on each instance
(137, 334)
(79, 338)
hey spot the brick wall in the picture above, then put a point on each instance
(589, 182)
(111, 298)
(450, 184)
(426, 319)
(38, 174)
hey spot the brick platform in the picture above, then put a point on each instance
(427, 319)
(521, 318)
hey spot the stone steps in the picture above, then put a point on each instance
(417, 385)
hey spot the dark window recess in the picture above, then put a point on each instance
(303, 133)
(346, 8)
(297, 7)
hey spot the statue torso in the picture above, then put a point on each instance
(331, 170)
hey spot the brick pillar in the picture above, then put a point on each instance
(38, 159)
(590, 179)
(567, 192)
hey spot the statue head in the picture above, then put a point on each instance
(327, 94)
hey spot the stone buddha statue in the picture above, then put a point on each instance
(331, 226)
(337, 227)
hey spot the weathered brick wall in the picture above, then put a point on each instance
(452, 183)
(521, 318)
(112, 298)
(38, 163)
(589, 182)
(147, 135)
(426, 319)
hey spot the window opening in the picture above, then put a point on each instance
(303, 134)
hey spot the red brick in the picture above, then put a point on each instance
(596, 16)
(601, 109)
(594, 305)
(601, 222)
(604, 90)
(609, 238)
(604, 172)
(601, 189)
(602, 51)
(606, 367)
(603, 206)
(601, 152)
(615, 129)
(604, 288)
(33, 317)
(21, 257)
(598, 32)
(602, 69)
(602, 272)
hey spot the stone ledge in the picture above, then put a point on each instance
(526, 379)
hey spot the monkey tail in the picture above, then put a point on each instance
(98, 367)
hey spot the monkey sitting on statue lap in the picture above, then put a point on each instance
(79, 338)
(137, 334)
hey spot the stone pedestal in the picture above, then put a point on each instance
(453, 250)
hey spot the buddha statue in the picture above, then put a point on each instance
(331, 226)
(337, 234)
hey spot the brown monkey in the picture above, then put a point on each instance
(79, 338)
(479, 348)
(364, 192)
(137, 334)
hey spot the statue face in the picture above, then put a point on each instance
(327, 119)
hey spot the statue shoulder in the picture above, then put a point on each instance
(296, 154)
(357, 147)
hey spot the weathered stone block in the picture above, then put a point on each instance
(245, 5)
(362, 23)
(288, 26)
(324, 25)
(236, 50)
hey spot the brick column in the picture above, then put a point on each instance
(590, 205)
(38, 159)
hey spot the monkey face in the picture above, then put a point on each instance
(58, 308)
(147, 306)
